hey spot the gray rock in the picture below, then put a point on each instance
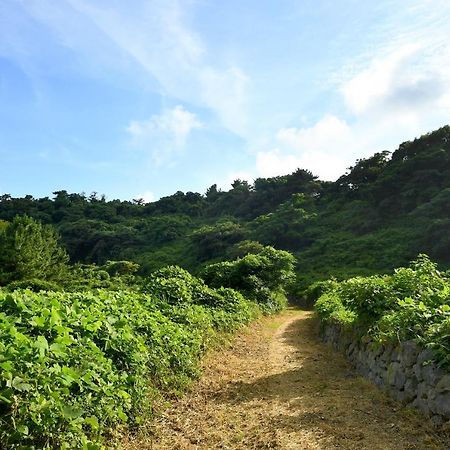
(443, 385)
(409, 351)
(406, 371)
(396, 375)
(395, 355)
(421, 405)
(441, 405)
(425, 356)
(386, 355)
(376, 349)
(437, 420)
(417, 371)
(410, 392)
(379, 381)
(422, 391)
(432, 374)
(350, 349)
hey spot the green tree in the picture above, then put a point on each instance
(30, 250)
(263, 277)
(285, 227)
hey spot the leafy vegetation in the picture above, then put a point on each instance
(379, 215)
(413, 303)
(261, 277)
(78, 366)
(105, 305)
(30, 250)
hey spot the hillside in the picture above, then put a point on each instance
(380, 214)
(90, 351)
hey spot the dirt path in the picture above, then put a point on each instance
(277, 387)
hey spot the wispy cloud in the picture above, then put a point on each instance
(314, 148)
(397, 91)
(155, 36)
(278, 88)
(405, 78)
(164, 134)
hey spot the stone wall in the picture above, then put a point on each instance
(405, 371)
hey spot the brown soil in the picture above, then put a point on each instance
(276, 386)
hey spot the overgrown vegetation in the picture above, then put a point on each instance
(96, 324)
(412, 303)
(77, 367)
(379, 215)
(261, 277)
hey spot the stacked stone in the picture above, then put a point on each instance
(405, 370)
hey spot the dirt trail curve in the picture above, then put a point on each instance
(277, 387)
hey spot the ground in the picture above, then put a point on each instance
(276, 386)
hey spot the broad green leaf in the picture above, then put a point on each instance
(71, 412)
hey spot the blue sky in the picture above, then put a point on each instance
(144, 98)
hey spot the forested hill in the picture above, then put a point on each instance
(379, 215)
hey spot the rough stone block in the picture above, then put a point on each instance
(417, 371)
(441, 404)
(443, 385)
(432, 374)
(409, 351)
(396, 375)
(425, 356)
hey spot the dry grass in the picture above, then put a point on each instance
(277, 387)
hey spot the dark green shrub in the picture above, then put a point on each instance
(34, 285)
(262, 277)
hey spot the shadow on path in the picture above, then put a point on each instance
(312, 389)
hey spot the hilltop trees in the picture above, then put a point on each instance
(383, 211)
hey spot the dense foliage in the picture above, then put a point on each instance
(30, 250)
(261, 277)
(412, 303)
(86, 344)
(380, 214)
(76, 366)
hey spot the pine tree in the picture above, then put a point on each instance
(30, 250)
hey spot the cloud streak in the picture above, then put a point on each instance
(164, 134)
(400, 91)
(157, 38)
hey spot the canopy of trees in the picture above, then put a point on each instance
(380, 214)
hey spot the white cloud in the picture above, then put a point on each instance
(274, 162)
(397, 86)
(318, 137)
(401, 92)
(408, 77)
(226, 92)
(323, 149)
(365, 89)
(147, 196)
(164, 134)
(155, 35)
(176, 124)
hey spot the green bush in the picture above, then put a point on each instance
(331, 309)
(77, 365)
(262, 277)
(367, 297)
(34, 285)
(30, 250)
(413, 303)
(171, 284)
(315, 290)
